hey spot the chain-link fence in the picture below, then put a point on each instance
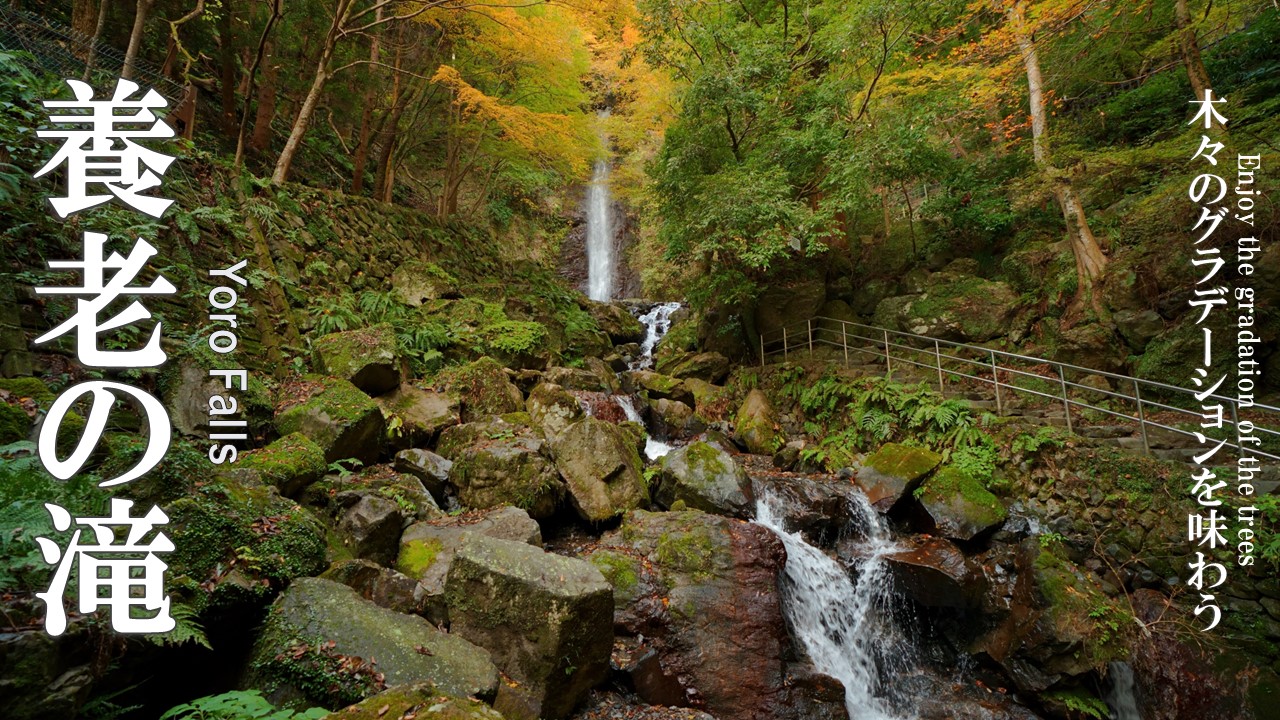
(62, 51)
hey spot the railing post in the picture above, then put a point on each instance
(809, 322)
(784, 343)
(937, 357)
(995, 379)
(1142, 417)
(1066, 403)
(844, 341)
(1235, 422)
(888, 364)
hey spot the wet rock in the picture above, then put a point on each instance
(370, 529)
(290, 464)
(338, 417)
(821, 510)
(755, 425)
(600, 466)
(427, 549)
(811, 695)
(935, 573)
(407, 701)
(382, 586)
(655, 386)
(418, 415)
(893, 472)
(429, 468)
(705, 478)
(958, 507)
(553, 409)
(672, 419)
(367, 358)
(577, 379)
(709, 367)
(405, 648)
(546, 618)
(45, 676)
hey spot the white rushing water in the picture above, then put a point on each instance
(1122, 695)
(600, 270)
(845, 626)
(657, 321)
(653, 449)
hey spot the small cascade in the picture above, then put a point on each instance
(1122, 695)
(657, 321)
(653, 449)
(600, 250)
(845, 625)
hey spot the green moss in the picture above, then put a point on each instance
(686, 551)
(28, 387)
(621, 571)
(903, 461)
(339, 399)
(950, 482)
(15, 424)
(287, 461)
(345, 352)
(417, 556)
(422, 701)
(484, 387)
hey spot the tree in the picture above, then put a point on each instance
(141, 10)
(1190, 47)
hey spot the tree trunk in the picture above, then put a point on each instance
(135, 38)
(83, 13)
(227, 65)
(366, 116)
(1191, 50)
(97, 38)
(390, 136)
(266, 103)
(264, 41)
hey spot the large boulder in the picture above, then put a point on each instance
(820, 509)
(317, 623)
(586, 380)
(710, 367)
(780, 307)
(617, 322)
(958, 507)
(416, 282)
(935, 573)
(755, 425)
(496, 462)
(656, 386)
(705, 478)
(337, 416)
(186, 388)
(337, 493)
(893, 472)
(429, 468)
(415, 416)
(703, 591)
(290, 464)
(600, 466)
(546, 618)
(367, 358)
(370, 529)
(673, 419)
(953, 306)
(484, 388)
(553, 409)
(380, 585)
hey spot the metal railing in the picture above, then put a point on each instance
(1001, 371)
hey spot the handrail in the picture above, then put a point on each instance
(806, 334)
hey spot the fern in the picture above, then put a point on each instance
(187, 629)
(238, 705)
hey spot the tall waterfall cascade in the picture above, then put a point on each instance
(600, 251)
(657, 321)
(845, 625)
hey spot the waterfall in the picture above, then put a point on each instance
(656, 322)
(1121, 695)
(845, 626)
(653, 449)
(600, 262)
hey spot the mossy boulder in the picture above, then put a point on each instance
(711, 367)
(894, 471)
(507, 470)
(655, 386)
(780, 306)
(552, 409)
(484, 388)
(423, 700)
(290, 464)
(336, 415)
(15, 423)
(674, 420)
(756, 426)
(405, 649)
(953, 306)
(495, 427)
(415, 417)
(547, 619)
(380, 585)
(335, 493)
(958, 506)
(367, 358)
(705, 478)
(617, 322)
(586, 380)
(600, 466)
(417, 281)
(186, 387)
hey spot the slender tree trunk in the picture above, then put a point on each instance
(1190, 46)
(97, 38)
(391, 135)
(366, 115)
(264, 40)
(143, 8)
(266, 103)
(227, 65)
(83, 13)
(1090, 260)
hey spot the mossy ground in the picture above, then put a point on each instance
(417, 556)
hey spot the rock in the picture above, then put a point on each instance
(46, 676)
(290, 464)
(367, 358)
(958, 507)
(674, 420)
(705, 478)
(655, 386)
(755, 425)
(893, 472)
(186, 387)
(703, 591)
(417, 415)
(811, 695)
(617, 322)
(788, 306)
(404, 648)
(338, 492)
(546, 618)
(429, 468)
(427, 548)
(415, 282)
(821, 510)
(601, 468)
(710, 367)
(553, 409)
(370, 529)
(953, 307)
(382, 586)
(408, 701)
(511, 426)
(934, 573)
(577, 379)
(485, 389)
(1138, 327)
(1091, 346)
(506, 470)
(341, 419)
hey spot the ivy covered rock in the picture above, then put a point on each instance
(317, 629)
(415, 417)
(756, 426)
(705, 478)
(423, 700)
(546, 618)
(368, 358)
(894, 471)
(552, 409)
(600, 466)
(290, 464)
(337, 416)
(957, 506)
(484, 388)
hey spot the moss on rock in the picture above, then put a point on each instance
(336, 415)
(290, 463)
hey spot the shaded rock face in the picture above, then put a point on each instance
(45, 676)
(416, 282)
(370, 529)
(705, 478)
(755, 425)
(952, 306)
(313, 610)
(703, 591)
(820, 510)
(893, 472)
(336, 416)
(382, 586)
(779, 306)
(958, 507)
(421, 414)
(935, 573)
(366, 358)
(600, 466)
(429, 468)
(546, 618)
(506, 469)
(553, 409)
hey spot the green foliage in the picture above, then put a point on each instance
(1269, 533)
(324, 675)
(237, 705)
(1081, 704)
